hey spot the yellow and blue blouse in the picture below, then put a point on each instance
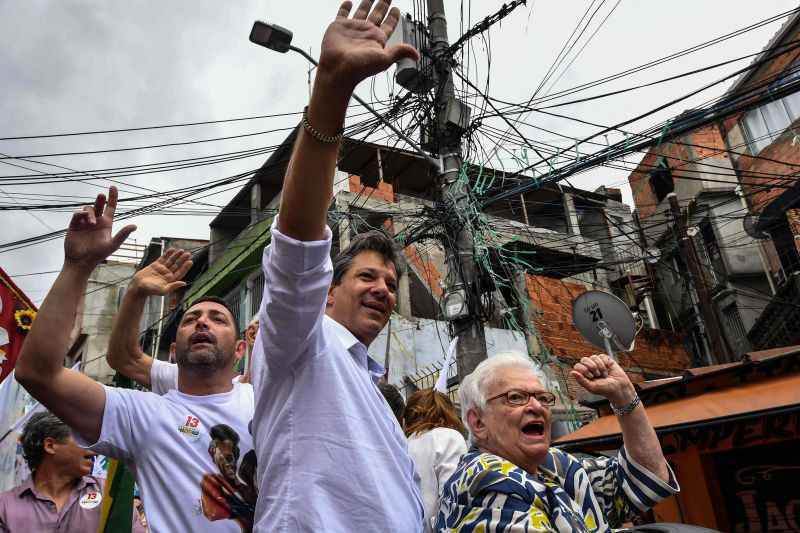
(489, 494)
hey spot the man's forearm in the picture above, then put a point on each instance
(124, 354)
(48, 341)
(640, 438)
(308, 187)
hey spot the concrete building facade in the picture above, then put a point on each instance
(104, 293)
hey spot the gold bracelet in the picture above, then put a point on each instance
(316, 134)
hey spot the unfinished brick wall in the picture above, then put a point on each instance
(697, 145)
(383, 191)
(773, 172)
(644, 198)
(657, 352)
(425, 269)
(706, 142)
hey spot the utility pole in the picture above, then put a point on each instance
(706, 317)
(468, 327)
(651, 274)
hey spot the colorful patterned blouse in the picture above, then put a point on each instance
(488, 494)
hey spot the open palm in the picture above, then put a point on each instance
(89, 240)
(163, 275)
(354, 49)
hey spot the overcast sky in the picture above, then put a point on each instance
(80, 66)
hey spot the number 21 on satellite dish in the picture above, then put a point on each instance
(605, 321)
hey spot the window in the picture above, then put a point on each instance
(709, 238)
(661, 179)
(767, 122)
(792, 102)
(256, 293)
(776, 117)
(756, 131)
(234, 301)
(121, 294)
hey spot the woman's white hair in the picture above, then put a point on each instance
(472, 391)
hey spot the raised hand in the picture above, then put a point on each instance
(163, 275)
(601, 375)
(89, 240)
(354, 49)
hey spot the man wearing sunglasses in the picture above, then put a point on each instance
(512, 480)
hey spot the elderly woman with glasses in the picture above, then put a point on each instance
(511, 480)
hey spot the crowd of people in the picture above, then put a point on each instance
(305, 440)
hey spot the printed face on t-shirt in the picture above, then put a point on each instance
(225, 453)
(226, 494)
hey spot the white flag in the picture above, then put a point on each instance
(19, 425)
(441, 383)
(36, 407)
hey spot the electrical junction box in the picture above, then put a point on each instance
(416, 76)
(457, 115)
(454, 304)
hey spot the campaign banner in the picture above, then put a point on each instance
(17, 314)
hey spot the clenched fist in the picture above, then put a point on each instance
(601, 375)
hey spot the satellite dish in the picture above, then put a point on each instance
(749, 224)
(605, 321)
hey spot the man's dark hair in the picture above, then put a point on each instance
(216, 300)
(371, 241)
(38, 428)
(223, 432)
(394, 399)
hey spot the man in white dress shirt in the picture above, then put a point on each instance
(331, 455)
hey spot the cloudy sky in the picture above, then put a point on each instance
(74, 66)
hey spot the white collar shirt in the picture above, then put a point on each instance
(331, 455)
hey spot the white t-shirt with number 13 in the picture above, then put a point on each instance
(193, 456)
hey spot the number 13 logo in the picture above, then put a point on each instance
(192, 422)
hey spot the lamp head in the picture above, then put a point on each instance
(271, 36)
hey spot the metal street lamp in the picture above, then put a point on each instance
(279, 39)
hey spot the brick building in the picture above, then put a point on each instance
(763, 142)
(736, 183)
(655, 355)
(734, 286)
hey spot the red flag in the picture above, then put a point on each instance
(17, 313)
